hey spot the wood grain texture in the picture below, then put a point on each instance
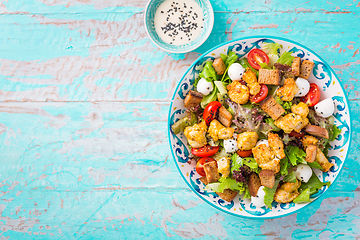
(84, 98)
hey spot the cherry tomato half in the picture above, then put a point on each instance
(261, 95)
(244, 153)
(257, 56)
(313, 96)
(205, 151)
(296, 134)
(211, 111)
(200, 165)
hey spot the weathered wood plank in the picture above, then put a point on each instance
(84, 65)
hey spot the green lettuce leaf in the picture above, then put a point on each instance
(270, 121)
(314, 184)
(264, 66)
(334, 133)
(314, 165)
(252, 164)
(284, 166)
(290, 178)
(208, 72)
(295, 155)
(209, 98)
(303, 197)
(236, 162)
(286, 59)
(244, 62)
(271, 48)
(269, 194)
(226, 183)
(247, 193)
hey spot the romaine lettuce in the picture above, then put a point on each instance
(303, 197)
(286, 59)
(269, 194)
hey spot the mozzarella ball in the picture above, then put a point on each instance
(325, 108)
(258, 201)
(230, 145)
(236, 71)
(204, 86)
(303, 86)
(262, 141)
(303, 172)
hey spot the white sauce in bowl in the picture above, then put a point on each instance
(178, 22)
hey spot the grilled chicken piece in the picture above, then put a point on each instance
(218, 131)
(300, 109)
(276, 145)
(251, 80)
(291, 122)
(247, 140)
(288, 90)
(265, 158)
(196, 135)
(238, 93)
(287, 192)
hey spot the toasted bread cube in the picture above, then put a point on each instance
(192, 99)
(317, 131)
(254, 184)
(219, 66)
(296, 66)
(271, 107)
(211, 171)
(225, 116)
(306, 69)
(269, 76)
(228, 195)
(267, 178)
(311, 151)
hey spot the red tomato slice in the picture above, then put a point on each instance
(296, 134)
(200, 165)
(205, 151)
(244, 153)
(313, 96)
(211, 111)
(257, 56)
(261, 95)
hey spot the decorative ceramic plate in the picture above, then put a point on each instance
(322, 75)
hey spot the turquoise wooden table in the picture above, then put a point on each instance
(84, 98)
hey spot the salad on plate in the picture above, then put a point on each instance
(256, 126)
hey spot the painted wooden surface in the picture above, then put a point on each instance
(84, 98)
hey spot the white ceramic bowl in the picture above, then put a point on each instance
(208, 12)
(322, 75)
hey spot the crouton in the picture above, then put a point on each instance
(296, 66)
(228, 195)
(211, 172)
(311, 151)
(323, 161)
(267, 178)
(306, 69)
(192, 99)
(271, 107)
(203, 180)
(269, 76)
(219, 66)
(225, 116)
(317, 131)
(254, 184)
